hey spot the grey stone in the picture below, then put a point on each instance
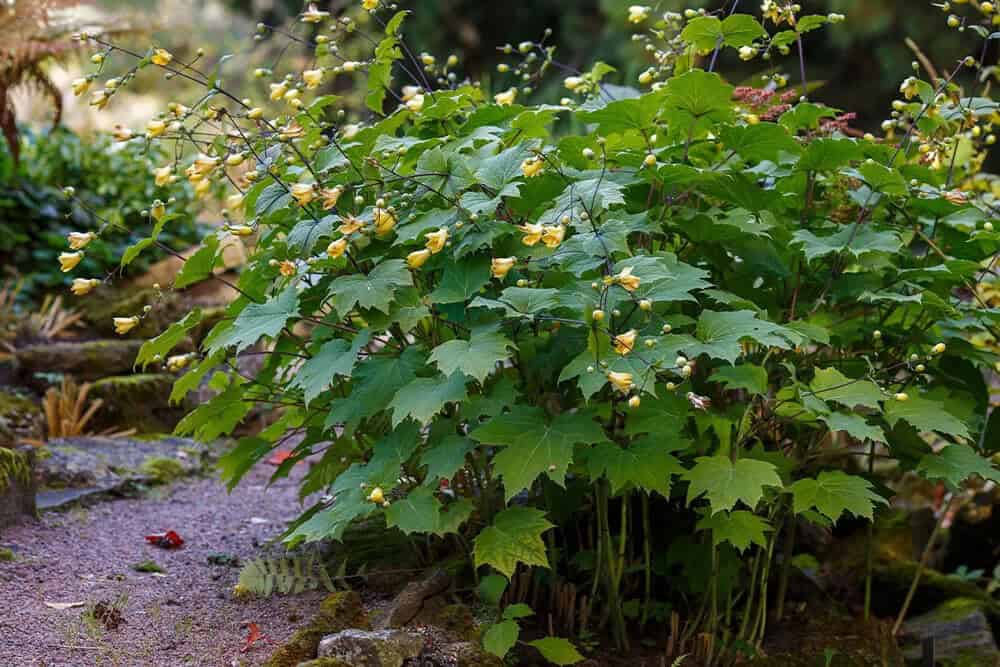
(379, 648)
(87, 462)
(411, 599)
(961, 632)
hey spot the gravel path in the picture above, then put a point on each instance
(187, 617)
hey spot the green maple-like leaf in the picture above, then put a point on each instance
(501, 172)
(418, 512)
(260, 319)
(864, 241)
(535, 446)
(335, 357)
(725, 483)
(462, 280)
(515, 537)
(854, 425)
(375, 382)
(217, 416)
(745, 376)
(956, 463)
(739, 528)
(926, 415)
(476, 357)
(375, 290)
(719, 334)
(645, 464)
(445, 458)
(834, 492)
(829, 384)
(423, 398)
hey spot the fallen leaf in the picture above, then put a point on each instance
(64, 605)
(254, 635)
(167, 540)
(279, 457)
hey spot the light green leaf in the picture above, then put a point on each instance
(500, 638)
(557, 650)
(829, 384)
(477, 357)
(423, 398)
(926, 415)
(725, 483)
(199, 266)
(644, 464)
(376, 290)
(834, 492)
(515, 537)
(739, 528)
(854, 425)
(462, 280)
(862, 242)
(418, 512)
(745, 376)
(335, 357)
(764, 141)
(720, 334)
(956, 463)
(260, 319)
(447, 457)
(162, 345)
(534, 446)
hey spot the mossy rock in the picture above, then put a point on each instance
(963, 637)
(20, 418)
(87, 360)
(137, 401)
(324, 662)
(339, 611)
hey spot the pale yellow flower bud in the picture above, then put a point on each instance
(79, 240)
(69, 260)
(501, 266)
(82, 286)
(437, 240)
(336, 248)
(125, 324)
(418, 258)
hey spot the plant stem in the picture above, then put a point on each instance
(786, 567)
(870, 544)
(924, 557)
(647, 562)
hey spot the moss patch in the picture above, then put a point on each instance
(147, 566)
(6, 555)
(338, 612)
(324, 662)
(13, 468)
(163, 470)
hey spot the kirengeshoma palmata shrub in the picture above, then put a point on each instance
(523, 340)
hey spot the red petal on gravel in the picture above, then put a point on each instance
(167, 540)
(253, 635)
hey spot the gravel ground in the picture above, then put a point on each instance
(187, 617)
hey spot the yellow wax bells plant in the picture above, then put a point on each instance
(676, 301)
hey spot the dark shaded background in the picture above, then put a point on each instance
(861, 60)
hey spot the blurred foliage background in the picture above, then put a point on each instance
(860, 61)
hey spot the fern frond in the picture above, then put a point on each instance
(263, 577)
